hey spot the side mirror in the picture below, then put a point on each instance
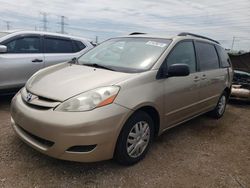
(178, 70)
(3, 49)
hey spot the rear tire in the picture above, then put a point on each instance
(220, 107)
(134, 139)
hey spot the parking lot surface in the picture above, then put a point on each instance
(200, 153)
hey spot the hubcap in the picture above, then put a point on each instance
(138, 139)
(222, 104)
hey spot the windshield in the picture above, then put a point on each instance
(2, 34)
(126, 54)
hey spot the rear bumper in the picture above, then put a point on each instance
(54, 133)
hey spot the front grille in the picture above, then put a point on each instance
(46, 99)
(35, 106)
(38, 102)
(42, 141)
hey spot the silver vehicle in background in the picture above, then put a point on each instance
(22, 53)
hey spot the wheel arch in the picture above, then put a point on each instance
(152, 112)
(149, 110)
(228, 91)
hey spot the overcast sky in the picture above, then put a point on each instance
(221, 20)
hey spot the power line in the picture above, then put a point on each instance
(62, 23)
(44, 20)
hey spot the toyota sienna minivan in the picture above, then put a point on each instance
(117, 97)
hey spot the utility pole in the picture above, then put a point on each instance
(44, 20)
(62, 23)
(96, 39)
(7, 25)
(233, 43)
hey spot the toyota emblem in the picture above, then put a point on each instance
(28, 97)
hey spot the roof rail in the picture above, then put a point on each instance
(137, 33)
(195, 35)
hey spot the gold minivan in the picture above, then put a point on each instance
(112, 101)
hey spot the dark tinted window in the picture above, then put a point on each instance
(54, 45)
(224, 58)
(207, 55)
(24, 45)
(183, 53)
(79, 45)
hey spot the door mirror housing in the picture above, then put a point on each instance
(178, 70)
(3, 49)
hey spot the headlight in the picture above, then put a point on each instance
(90, 100)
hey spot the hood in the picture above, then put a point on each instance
(241, 61)
(66, 80)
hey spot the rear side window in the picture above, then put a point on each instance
(24, 45)
(79, 45)
(224, 58)
(183, 53)
(208, 58)
(55, 45)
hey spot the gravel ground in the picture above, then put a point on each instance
(200, 153)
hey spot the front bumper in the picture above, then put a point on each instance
(238, 92)
(53, 133)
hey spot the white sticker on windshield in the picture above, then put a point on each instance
(159, 44)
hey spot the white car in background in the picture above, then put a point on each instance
(22, 53)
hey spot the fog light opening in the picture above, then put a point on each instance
(82, 148)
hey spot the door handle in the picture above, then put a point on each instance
(204, 77)
(196, 79)
(37, 60)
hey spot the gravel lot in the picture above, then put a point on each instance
(200, 153)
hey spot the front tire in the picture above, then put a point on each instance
(220, 107)
(134, 139)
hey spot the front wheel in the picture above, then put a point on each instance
(134, 139)
(220, 107)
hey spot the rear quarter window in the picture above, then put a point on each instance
(78, 46)
(224, 58)
(207, 56)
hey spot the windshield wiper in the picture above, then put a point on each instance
(98, 66)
